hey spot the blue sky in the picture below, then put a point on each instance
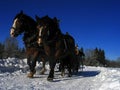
(93, 23)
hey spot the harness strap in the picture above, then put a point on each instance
(65, 44)
(54, 39)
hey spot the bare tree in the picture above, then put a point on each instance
(10, 47)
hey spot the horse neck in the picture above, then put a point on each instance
(30, 34)
(58, 33)
(70, 43)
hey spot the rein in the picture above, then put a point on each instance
(13, 28)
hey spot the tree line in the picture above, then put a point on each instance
(93, 57)
(96, 57)
(10, 48)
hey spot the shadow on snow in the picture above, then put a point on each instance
(88, 73)
(9, 69)
(81, 74)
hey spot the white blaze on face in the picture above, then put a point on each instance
(12, 30)
(40, 31)
(14, 23)
(40, 34)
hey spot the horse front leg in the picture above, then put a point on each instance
(32, 63)
(52, 63)
(62, 65)
(32, 56)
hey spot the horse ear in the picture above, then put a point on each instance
(21, 12)
(37, 18)
(47, 16)
(56, 20)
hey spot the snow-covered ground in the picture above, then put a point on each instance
(13, 76)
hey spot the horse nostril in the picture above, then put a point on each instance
(12, 33)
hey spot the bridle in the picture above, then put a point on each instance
(54, 39)
(16, 30)
(48, 37)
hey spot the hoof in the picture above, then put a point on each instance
(69, 75)
(50, 79)
(62, 74)
(31, 74)
(43, 71)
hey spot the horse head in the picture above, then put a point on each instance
(21, 23)
(48, 28)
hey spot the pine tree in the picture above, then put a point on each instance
(96, 57)
(100, 56)
(103, 57)
(1, 50)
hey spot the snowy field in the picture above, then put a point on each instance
(13, 74)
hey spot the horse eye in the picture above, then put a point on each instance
(20, 23)
(38, 26)
(45, 26)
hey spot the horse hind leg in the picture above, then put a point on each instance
(43, 67)
(69, 71)
(62, 71)
(81, 65)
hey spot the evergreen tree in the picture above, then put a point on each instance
(103, 58)
(1, 50)
(96, 57)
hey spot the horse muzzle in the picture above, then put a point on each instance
(12, 34)
(39, 41)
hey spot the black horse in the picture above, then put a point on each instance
(57, 46)
(25, 24)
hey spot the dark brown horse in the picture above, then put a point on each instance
(25, 24)
(57, 46)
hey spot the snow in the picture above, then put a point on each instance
(13, 76)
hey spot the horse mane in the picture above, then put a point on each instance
(30, 19)
(52, 21)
